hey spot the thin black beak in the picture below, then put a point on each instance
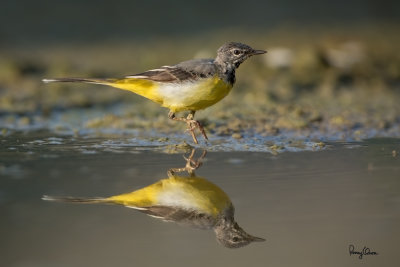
(257, 239)
(257, 52)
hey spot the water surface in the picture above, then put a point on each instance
(309, 206)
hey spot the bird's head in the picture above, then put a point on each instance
(231, 235)
(234, 54)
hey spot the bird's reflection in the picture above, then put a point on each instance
(188, 200)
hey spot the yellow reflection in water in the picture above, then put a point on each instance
(188, 200)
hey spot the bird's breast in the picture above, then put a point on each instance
(193, 94)
(196, 194)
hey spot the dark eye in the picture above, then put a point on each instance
(235, 239)
(237, 52)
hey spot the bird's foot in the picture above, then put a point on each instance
(192, 126)
(191, 164)
(191, 123)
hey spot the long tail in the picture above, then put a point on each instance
(143, 87)
(80, 80)
(76, 199)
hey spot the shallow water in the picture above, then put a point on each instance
(309, 206)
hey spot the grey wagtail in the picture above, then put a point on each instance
(191, 201)
(188, 86)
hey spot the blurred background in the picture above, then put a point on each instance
(43, 21)
(331, 68)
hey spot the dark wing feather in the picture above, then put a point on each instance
(182, 216)
(188, 70)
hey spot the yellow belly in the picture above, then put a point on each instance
(193, 193)
(193, 95)
(190, 95)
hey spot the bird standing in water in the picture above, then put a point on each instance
(188, 86)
